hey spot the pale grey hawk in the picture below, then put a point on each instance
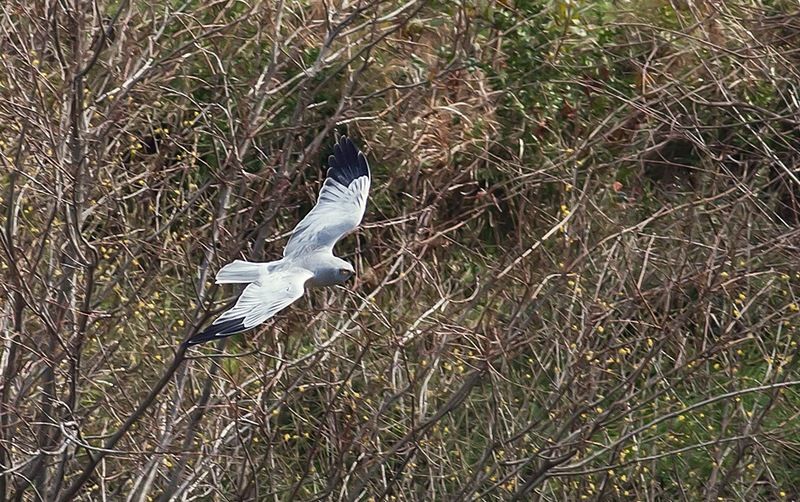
(308, 259)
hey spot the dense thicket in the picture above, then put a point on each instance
(576, 279)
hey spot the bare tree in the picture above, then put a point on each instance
(576, 280)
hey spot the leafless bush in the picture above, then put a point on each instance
(576, 280)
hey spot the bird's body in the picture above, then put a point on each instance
(308, 260)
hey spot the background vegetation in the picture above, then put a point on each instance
(577, 279)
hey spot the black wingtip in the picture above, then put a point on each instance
(347, 163)
(218, 330)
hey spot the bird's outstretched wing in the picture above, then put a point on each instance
(259, 301)
(341, 204)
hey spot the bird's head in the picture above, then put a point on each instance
(345, 272)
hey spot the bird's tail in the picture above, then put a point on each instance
(238, 272)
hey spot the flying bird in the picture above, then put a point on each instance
(308, 260)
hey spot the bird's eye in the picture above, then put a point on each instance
(344, 271)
